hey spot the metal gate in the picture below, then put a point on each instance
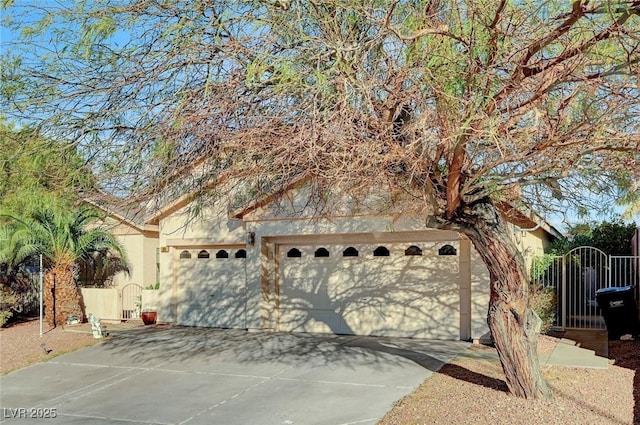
(577, 276)
(130, 301)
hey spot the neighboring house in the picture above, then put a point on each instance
(139, 239)
(116, 297)
(531, 233)
(273, 266)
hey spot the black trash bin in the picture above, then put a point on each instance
(620, 312)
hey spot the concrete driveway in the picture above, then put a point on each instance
(176, 375)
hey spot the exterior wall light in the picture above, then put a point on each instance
(251, 238)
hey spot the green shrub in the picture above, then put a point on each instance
(152, 286)
(18, 296)
(7, 299)
(543, 301)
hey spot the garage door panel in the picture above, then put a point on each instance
(318, 321)
(317, 297)
(398, 295)
(419, 321)
(212, 292)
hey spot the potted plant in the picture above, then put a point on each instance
(149, 313)
(149, 317)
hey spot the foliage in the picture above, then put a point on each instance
(65, 238)
(543, 301)
(449, 101)
(613, 238)
(36, 172)
(100, 269)
(630, 195)
(6, 305)
(59, 235)
(540, 267)
(18, 295)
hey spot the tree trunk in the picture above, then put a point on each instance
(67, 298)
(513, 325)
(48, 298)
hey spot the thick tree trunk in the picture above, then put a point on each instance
(514, 326)
(49, 298)
(62, 296)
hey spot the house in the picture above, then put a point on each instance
(275, 265)
(116, 296)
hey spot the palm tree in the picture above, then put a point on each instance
(633, 209)
(65, 238)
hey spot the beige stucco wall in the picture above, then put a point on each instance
(214, 229)
(531, 243)
(140, 248)
(211, 223)
(102, 302)
(480, 298)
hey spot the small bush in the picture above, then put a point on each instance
(7, 299)
(543, 301)
(18, 297)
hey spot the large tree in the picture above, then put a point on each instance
(457, 105)
(64, 238)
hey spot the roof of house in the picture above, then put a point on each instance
(131, 213)
(141, 216)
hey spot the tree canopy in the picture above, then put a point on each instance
(452, 100)
(613, 238)
(36, 172)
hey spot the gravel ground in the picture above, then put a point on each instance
(473, 391)
(20, 344)
(469, 390)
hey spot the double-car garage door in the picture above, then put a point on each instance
(396, 289)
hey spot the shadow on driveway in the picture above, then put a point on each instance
(175, 343)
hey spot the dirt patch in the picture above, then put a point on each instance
(472, 390)
(22, 345)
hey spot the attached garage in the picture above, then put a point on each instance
(211, 287)
(405, 289)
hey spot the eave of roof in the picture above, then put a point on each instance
(112, 212)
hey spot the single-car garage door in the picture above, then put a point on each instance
(407, 290)
(212, 288)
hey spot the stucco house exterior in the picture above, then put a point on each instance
(119, 296)
(275, 265)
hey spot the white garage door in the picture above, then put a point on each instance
(408, 290)
(212, 288)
